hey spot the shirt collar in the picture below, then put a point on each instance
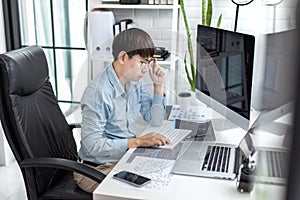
(114, 80)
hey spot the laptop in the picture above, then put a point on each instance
(271, 162)
(271, 165)
(216, 160)
(213, 160)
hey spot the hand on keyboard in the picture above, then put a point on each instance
(175, 136)
(149, 140)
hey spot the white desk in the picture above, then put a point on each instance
(187, 187)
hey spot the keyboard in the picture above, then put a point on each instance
(175, 136)
(272, 163)
(216, 159)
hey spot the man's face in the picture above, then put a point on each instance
(136, 67)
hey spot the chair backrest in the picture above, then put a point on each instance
(31, 118)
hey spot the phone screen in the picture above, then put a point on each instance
(131, 178)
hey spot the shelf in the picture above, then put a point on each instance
(138, 6)
(97, 64)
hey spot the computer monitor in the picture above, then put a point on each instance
(224, 72)
(277, 90)
(279, 71)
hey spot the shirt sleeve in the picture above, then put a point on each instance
(153, 107)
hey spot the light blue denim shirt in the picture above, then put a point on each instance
(109, 115)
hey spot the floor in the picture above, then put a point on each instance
(11, 183)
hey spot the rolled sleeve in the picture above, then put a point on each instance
(157, 109)
(121, 144)
(157, 99)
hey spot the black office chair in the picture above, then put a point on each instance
(36, 129)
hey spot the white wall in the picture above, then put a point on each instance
(255, 18)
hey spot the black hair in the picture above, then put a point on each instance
(133, 41)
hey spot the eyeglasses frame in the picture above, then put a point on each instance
(143, 63)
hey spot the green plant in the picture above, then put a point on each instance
(191, 75)
(206, 20)
(207, 14)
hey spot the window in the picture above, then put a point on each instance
(58, 27)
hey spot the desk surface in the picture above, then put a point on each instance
(185, 187)
(178, 186)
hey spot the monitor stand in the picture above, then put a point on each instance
(276, 128)
(280, 129)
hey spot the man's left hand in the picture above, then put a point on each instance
(157, 74)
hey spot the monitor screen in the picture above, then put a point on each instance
(279, 71)
(277, 94)
(225, 67)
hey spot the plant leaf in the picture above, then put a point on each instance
(191, 77)
(184, 18)
(203, 12)
(219, 21)
(187, 71)
(209, 12)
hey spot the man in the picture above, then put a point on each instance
(113, 100)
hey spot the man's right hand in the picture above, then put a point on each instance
(148, 140)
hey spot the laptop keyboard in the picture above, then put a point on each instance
(216, 159)
(272, 163)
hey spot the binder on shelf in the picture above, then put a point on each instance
(117, 29)
(124, 24)
(101, 29)
(156, 2)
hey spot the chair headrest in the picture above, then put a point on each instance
(28, 69)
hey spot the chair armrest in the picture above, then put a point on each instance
(74, 125)
(66, 164)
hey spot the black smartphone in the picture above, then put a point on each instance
(132, 178)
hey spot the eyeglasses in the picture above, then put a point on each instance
(143, 63)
